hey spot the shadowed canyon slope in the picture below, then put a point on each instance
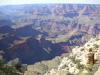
(42, 31)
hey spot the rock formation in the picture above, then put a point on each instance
(65, 25)
(83, 60)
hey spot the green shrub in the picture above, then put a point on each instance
(7, 70)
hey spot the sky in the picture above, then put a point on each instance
(16, 2)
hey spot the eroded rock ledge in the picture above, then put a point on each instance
(83, 60)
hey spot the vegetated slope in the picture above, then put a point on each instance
(83, 60)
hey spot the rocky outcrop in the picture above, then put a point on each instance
(83, 60)
(42, 67)
(1, 54)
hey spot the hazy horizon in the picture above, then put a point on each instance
(18, 2)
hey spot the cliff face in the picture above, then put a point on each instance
(65, 25)
(57, 21)
(54, 19)
(83, 60)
